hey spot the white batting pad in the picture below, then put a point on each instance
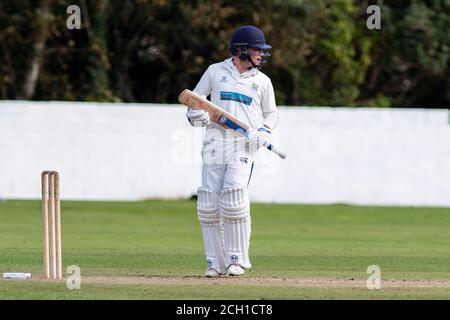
(235, 210)
(209, 217)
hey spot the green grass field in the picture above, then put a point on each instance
(332, 246)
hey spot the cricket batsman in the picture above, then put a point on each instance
(238, 86)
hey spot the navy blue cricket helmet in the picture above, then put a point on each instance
(248, 37)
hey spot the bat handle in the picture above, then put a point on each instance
(271, 147)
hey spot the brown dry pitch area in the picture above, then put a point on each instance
(263, 281)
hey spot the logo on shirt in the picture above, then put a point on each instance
(224, 79)
(255, 86)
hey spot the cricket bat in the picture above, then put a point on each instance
(221, 117)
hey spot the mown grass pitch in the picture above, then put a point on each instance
(329, 247)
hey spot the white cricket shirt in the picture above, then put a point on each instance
(248, 96)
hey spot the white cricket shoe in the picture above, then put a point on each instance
(235, 270)
(211, 273)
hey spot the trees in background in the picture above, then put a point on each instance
(148, 51)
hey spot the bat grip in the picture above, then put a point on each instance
(271, 147)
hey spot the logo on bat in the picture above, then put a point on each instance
(222, 119)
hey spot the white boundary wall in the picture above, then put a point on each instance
(142, 151)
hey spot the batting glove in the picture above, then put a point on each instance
(256, 138)
(198, 118)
